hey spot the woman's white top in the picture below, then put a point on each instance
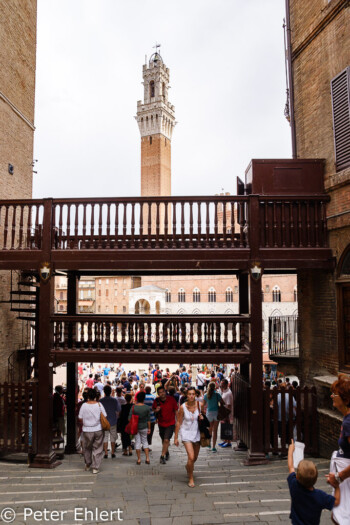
(189, 430)
(91, 416)
(341, 513)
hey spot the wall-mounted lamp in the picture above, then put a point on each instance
(11, 169)
(256, 270)
(45, 271)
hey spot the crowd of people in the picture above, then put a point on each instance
(188, 408)
(174, 401)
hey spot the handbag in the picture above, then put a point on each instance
(223, 412)
(104, 421)
(226, 431)
(204, 441)
(132, 427)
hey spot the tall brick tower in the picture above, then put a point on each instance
(156, 120)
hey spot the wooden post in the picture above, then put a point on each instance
(256, 455)
(72, 368)
(243, 305)
(45, 456)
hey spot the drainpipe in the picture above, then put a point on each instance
(290, 81)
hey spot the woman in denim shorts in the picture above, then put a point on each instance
(211, 402)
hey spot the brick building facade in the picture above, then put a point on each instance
(17, 93)
(320, 60)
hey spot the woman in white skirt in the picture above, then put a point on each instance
(188, 429)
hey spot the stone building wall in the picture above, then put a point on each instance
(318, 340)
(320, 40)
(17, 90)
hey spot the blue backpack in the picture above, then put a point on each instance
(184, 377)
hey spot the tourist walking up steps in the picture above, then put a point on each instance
(124, 419)
(165, 409)
(113, 409)
(144, 426)
(90, 415)
(188, 430)
(149, 399)
(211, 403)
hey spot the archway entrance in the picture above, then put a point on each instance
(142, 307)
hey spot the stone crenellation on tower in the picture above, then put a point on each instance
(156, 121)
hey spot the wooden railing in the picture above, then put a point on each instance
(159, 222)
(224, 222)
(293, 222)
(17, 428)
(290, 413)
(241, 395)
(151, 333)
(21, 224)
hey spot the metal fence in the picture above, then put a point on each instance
(283, 336)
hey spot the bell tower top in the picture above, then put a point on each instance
(155, 115)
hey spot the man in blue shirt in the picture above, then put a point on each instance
(112, 407)
(106, 371)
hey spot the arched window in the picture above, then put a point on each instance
(163, 89)
(167, 296)
(276, 294)
(212, 295)
(196, 295)
(229, 295)
(295, 294)
(181, 296)
(150, 140)
(151, 88)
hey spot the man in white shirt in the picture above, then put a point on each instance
(227, 398)
(201, 381)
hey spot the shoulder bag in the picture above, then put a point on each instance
(132, 427)
(104, 421)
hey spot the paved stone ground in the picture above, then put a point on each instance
(225, 492)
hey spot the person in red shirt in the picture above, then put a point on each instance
(165, 408)
(90, 382)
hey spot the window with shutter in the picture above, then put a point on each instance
(340, 86)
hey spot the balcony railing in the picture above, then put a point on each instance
(200, 223)
(143, 334)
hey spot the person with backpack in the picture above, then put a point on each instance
(157, 375)
(184, 377)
